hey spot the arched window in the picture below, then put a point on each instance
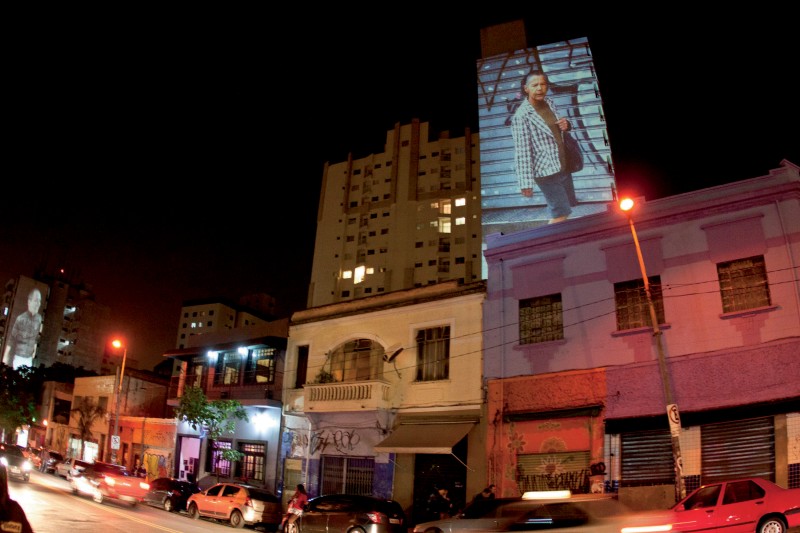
(355, 360)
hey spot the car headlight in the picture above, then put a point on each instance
(4, 461)
(27, 465)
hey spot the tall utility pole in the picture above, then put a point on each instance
(115, 440)
(672, 408)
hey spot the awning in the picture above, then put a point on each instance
(424, 438)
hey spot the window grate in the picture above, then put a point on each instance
(632, 308)
(743, 284)
(541, 319)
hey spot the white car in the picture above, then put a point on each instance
(70, 467)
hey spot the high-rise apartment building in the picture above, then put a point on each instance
(407, 217)
(73, 327)
(214, 315)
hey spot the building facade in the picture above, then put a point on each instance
(577, 395)
(96, 411)
(242, 364)
(407, 217)
(383, 396)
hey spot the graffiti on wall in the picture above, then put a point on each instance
(552, 464)
(156, 465)
(342, 441)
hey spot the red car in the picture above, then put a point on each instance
(104, 481)
(747, 505)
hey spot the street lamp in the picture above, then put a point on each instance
(626, 204)
(115, 441)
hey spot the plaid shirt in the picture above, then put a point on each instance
(535, 148)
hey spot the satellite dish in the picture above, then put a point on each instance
(392, 352)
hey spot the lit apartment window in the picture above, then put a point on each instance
(631, 303)
(228, 368)
(433, 353)
(360, 272)
(445, 225)
(460, 221)
(347, 274)
(371, 270)
(541, 319)
(446, 208)
(460, 202)
(743, 284)
(260, 366)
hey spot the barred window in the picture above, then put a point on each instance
(348, 475)
(433, 353)
(631, 303)
(541, 319)
(214, 461)
(252, 465)
(743, 284)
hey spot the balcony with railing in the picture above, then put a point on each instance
(341, 396)
(249, 388)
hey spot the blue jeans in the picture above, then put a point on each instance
(559, 193)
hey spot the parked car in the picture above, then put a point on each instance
(350, 512)
(70, 467)
(50, 460)
(557, 510)
(16, 463)
(104, 481)
(481, 514)
(238, 504)
(34, 455)
(747, 504)
(170, 494)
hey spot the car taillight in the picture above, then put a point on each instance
(144, 486)
(109, 480)
(248, 502)
(376, 518)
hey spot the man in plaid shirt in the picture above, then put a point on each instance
(539, 148)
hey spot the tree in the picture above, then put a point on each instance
(217, 418)
(17, 399)
(88, 413)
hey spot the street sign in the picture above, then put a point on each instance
(674, 420)
(115, 442)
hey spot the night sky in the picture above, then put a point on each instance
(162, 157)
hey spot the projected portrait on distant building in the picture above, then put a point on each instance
(545, 155)
(21, 343)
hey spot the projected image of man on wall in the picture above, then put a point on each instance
(21, 344)
(539, 152)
